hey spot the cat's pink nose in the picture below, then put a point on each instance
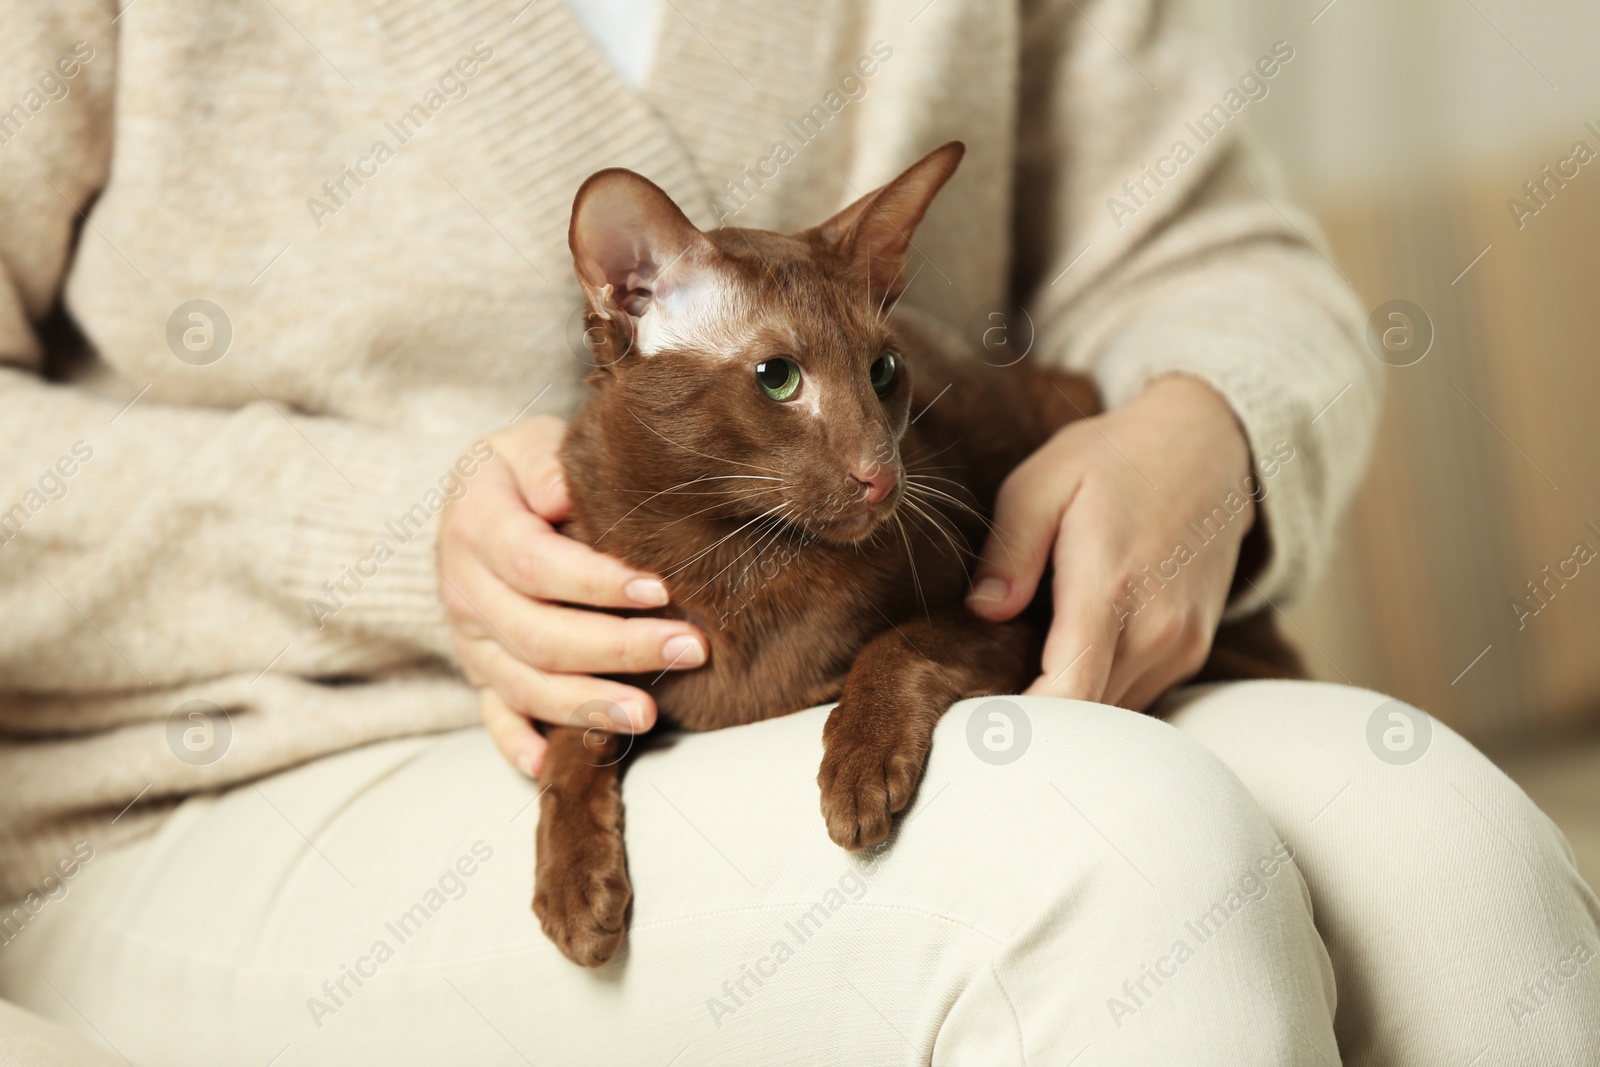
(876, 480)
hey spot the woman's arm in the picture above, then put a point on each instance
(1134, 613)
(155, 543)
(1165, 260)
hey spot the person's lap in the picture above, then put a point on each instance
(374, 906)
(1441, 891)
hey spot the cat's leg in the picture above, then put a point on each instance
(581, 890)
(877, 738)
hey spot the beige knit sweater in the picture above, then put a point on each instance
(373, 199)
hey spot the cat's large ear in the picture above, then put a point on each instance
(631, 245)
(876, 230)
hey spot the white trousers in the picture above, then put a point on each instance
(1271, 876)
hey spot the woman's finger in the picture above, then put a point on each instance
(591, 642)
(1151, 638)
(512, 734)
(1173, 666)
(1027, 518)
(1084, 636)
(1162, 675)
(547, 494)
(1131, 669)
(1142, 693)
(563, 699)
(536, 561)
(528, 452)
(553, 637)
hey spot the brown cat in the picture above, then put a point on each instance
(811, 475)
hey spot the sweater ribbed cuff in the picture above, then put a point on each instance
(356, 552)
(1274, 422)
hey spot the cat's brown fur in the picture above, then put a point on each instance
(827, 596)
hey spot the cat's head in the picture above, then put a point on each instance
(747, 372)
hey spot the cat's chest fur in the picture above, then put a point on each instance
(785, 612)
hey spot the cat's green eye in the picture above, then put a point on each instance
(883, 371)
(779, 378)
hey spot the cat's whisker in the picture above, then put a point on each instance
(721, 502)
(696, 481)
(920, 474)
(680, 485)
(883, 316)
(715, 544)
(702, 455)
(988, 526)
(916, 580)
(930, 492)
(935, 514)
(933, 495)
(694, 514)
(770, 513)
(760, 538)
(934, 519)
(877, 316)
(711, 492)
(779, 529)
(772, 276)
(947, 528)
(796, 532)
(934, 455)
(750, 574)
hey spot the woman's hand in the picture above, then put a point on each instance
(1117, 502)
(516, 590)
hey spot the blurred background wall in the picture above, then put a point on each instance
(1406, 127)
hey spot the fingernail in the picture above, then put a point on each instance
(990, 590)
(548, 485)
(525, 763)
(646, 591)
(684, 651)
(634, 712)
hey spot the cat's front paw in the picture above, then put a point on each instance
(866, 777)
(581, 889)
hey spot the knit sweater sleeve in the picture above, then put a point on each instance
(154, 543)
(1152, 239)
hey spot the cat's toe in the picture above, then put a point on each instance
(861, 792)
(583, 904)
(855, 819)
